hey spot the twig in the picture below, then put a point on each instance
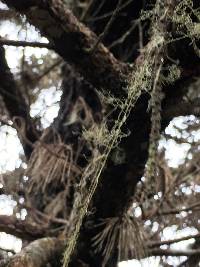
(125, 35)
(171, 241)
(46, 216)
(173, 252)
(107, 28)
(109, 13)
(49, 69)
(25, 43)
(175, 211)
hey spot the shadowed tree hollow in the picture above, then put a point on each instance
(96, 183)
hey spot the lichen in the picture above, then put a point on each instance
(147, 77)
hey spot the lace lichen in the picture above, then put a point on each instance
(141, 80)
(146, 77)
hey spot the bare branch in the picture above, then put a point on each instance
(25, 44)
(20, 228)
(73, 41)
(172, 241)
(174, 253)
(16, 106)
(39, 253)
(108, 25)
(176, 211)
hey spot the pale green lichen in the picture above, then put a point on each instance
(183, 18)
(174, 74)
(141, 80)
(118, 156)
(146, 77)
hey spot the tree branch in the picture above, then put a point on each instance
(174, 252)
(16, 106)
(176, 211)
(72, 41)
(39, 253)
(171, 241)
(24, 43)
(21, 229)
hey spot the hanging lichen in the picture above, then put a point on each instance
(147, 76)
(142, 79)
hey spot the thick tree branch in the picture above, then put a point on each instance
(73, 41)
(20, 228)
(47, 250)
(39, 253)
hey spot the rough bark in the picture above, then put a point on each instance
(21, 229)
(74, 42)
(39, 253)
